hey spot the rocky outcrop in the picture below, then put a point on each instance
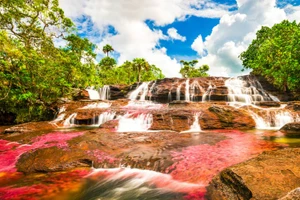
(271, 175)
(292, 195)
(291, 129)
(29, 127)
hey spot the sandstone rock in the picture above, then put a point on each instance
(29, 127)
(52, 159)
(291, 129)
(268, 103)
(294, 105)
(271, 175)
(292, 195)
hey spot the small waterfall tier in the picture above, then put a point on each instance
(96, 121)
(246, 90)
(273, 118)
(195, 127)
(102, 93)
(143, 92)
(132, 123)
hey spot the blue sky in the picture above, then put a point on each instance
(165, 32)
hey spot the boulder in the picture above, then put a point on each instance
(292, 195)
(291, 129)
(53, 159)
(270, 175)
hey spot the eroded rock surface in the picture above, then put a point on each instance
(271, 175)
(291, 129)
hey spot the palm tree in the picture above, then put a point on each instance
(107, 48)
(140, 64)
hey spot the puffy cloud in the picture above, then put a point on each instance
(235, 32)
(133, 37)
(198, 46)
(172, 33)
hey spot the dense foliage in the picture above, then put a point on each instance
(190, 71)
(275, 54)
(129, 72)
(33, 71)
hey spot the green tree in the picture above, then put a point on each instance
(106, 49)
(275, 54)
(139, 65)
(107, 63)
(189, 71)
(34, 72)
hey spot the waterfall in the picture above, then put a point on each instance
(104, 92)
(93, 94)
(246, 91)
(103, 117)
(194, 91)
(187, 90)
(151, 90)
(207, 94)
(273, 119)
(195, 127)
(142, 90)
(169, 96)
(178, 92)
(97, 105)
(70, 120)
(96, 121)
(100, 94)
(129, 123)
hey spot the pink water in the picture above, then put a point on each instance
(193, 168)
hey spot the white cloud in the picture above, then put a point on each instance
(198, 46)
(235, 32)
(134, 38)
(174, 35)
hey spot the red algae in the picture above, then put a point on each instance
(11, 151)
(50, 186)
(102, 156)
(198, 164)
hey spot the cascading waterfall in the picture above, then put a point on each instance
(100, 94)
(130, 123)
(142, 90)
(70, 120)
(127, 183)
(178, 92)
(95, 121)
(195, 91)
(151, 90)
(195, 127)
(104, 92)
(246, 91)
(207, 94)
(187, 90)
(93, 94)
(273, 119)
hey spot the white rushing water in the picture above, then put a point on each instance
(131, 123)
(127, 183)
(207, 93)
(195, 127)
(187, 90)
(100, 94)
(246, 91)
(141, 91)
(96, 121)
(273, 119)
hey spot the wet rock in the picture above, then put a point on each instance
(227, 117)
(270, 175)
(295, 105)
(292, 195)
(53, 159)
(268, 103)
(291, 129)
(29, 127)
